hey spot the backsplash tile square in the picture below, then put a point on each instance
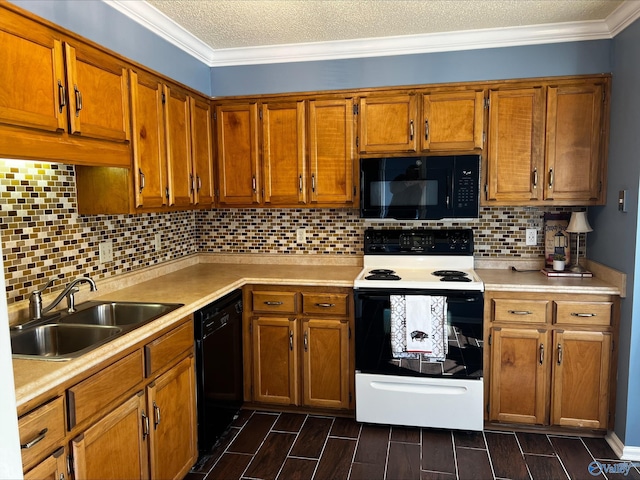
(43, 236)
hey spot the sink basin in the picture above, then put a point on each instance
(117, 313)
(59, 342)
(93, 324)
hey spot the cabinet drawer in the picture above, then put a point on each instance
(584, 313)
(100, 390)
(280, 302)
(41, 431)
(165, 349)
(325, 303)
(520, 311)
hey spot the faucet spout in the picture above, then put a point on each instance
(36, 308)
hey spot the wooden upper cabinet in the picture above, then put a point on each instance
(178, 138)
(149, 147)
(516, 146)
(574, 143)
(202, 152)
(283, 152)
(388, 124)
(32, 76)
(237, 153)
(452, 121)
(331, 151)
(98, 93)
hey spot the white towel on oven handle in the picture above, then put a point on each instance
(426, 326)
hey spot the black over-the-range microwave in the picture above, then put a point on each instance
(420, 188)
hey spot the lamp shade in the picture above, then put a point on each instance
(579, 223)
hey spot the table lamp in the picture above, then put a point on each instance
(578, 224)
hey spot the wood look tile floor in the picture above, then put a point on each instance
(290, 446)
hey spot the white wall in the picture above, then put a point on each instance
(10, 459)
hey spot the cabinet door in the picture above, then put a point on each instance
(149, 148)
(179, 161)
(452, 121)
(98, 93)
(326, 363)
(331, 140)
(387, 124)
(114, 447)
(237, 146)
(580, 393)
(32, 76)
(172, 411)
(283, 153)
(275, 361)
(574, 155)
(51, 468)
(202, 149)
(519, 375)
(516, 146)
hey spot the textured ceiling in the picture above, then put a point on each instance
(225, 24)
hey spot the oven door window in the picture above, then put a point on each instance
(464, 330)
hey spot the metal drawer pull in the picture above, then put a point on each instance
(426, 129)
(541, 353)
(78, 100)
(573, 314)
(270, 302)
(306, 341)
(559, 354)
(411, 130)
(142, 180)
(156, 411)
(325, 305)
(291, 340)
(535, 177)
(62, 96)
(521, 312)
(38, 439)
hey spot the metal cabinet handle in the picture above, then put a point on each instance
(156, 414)
(559, 354)
(541, 353)
(325, 305)
(313, 182)
(426, 129)
(411, 130)
(271, 302)
(62, 96)
(551, 178)
(291, 340)
(193, 183)
(535, 177)
(306, 341)
(576, 314)
(254, 184)
(78, 100)
(38, 439)
(142, 180)
(300, 183)
(199, 182)
(145, 425)
(521, 312)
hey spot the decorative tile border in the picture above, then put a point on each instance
(44, 237)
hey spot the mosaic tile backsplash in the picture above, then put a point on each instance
(43, 236)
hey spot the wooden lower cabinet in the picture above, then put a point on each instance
(171, 406)
(301, 353)
(552, 362)
(152, 432)
(116, 446)
(53, 467)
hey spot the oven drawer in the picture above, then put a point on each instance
(520, 311)
(278, 302)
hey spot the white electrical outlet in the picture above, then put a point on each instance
(157, 242)
(301, 235)
(532, 236)
(106, 252)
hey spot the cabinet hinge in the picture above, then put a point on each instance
(164, 98)
(349, 332)
(260, 114)
(216, 193)
(166, 193)
(490, 339)
(484, 137)
(215, 115)
(355, 192)
(356, 110)
(486, 103)
(357, 142)
(70, 465)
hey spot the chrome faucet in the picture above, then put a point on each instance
(36, 310)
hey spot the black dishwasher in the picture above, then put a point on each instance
(218, 332)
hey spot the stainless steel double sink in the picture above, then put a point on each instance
(70, 335)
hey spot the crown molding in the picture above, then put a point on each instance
(158, 23)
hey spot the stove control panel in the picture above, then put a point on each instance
(418, 242)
